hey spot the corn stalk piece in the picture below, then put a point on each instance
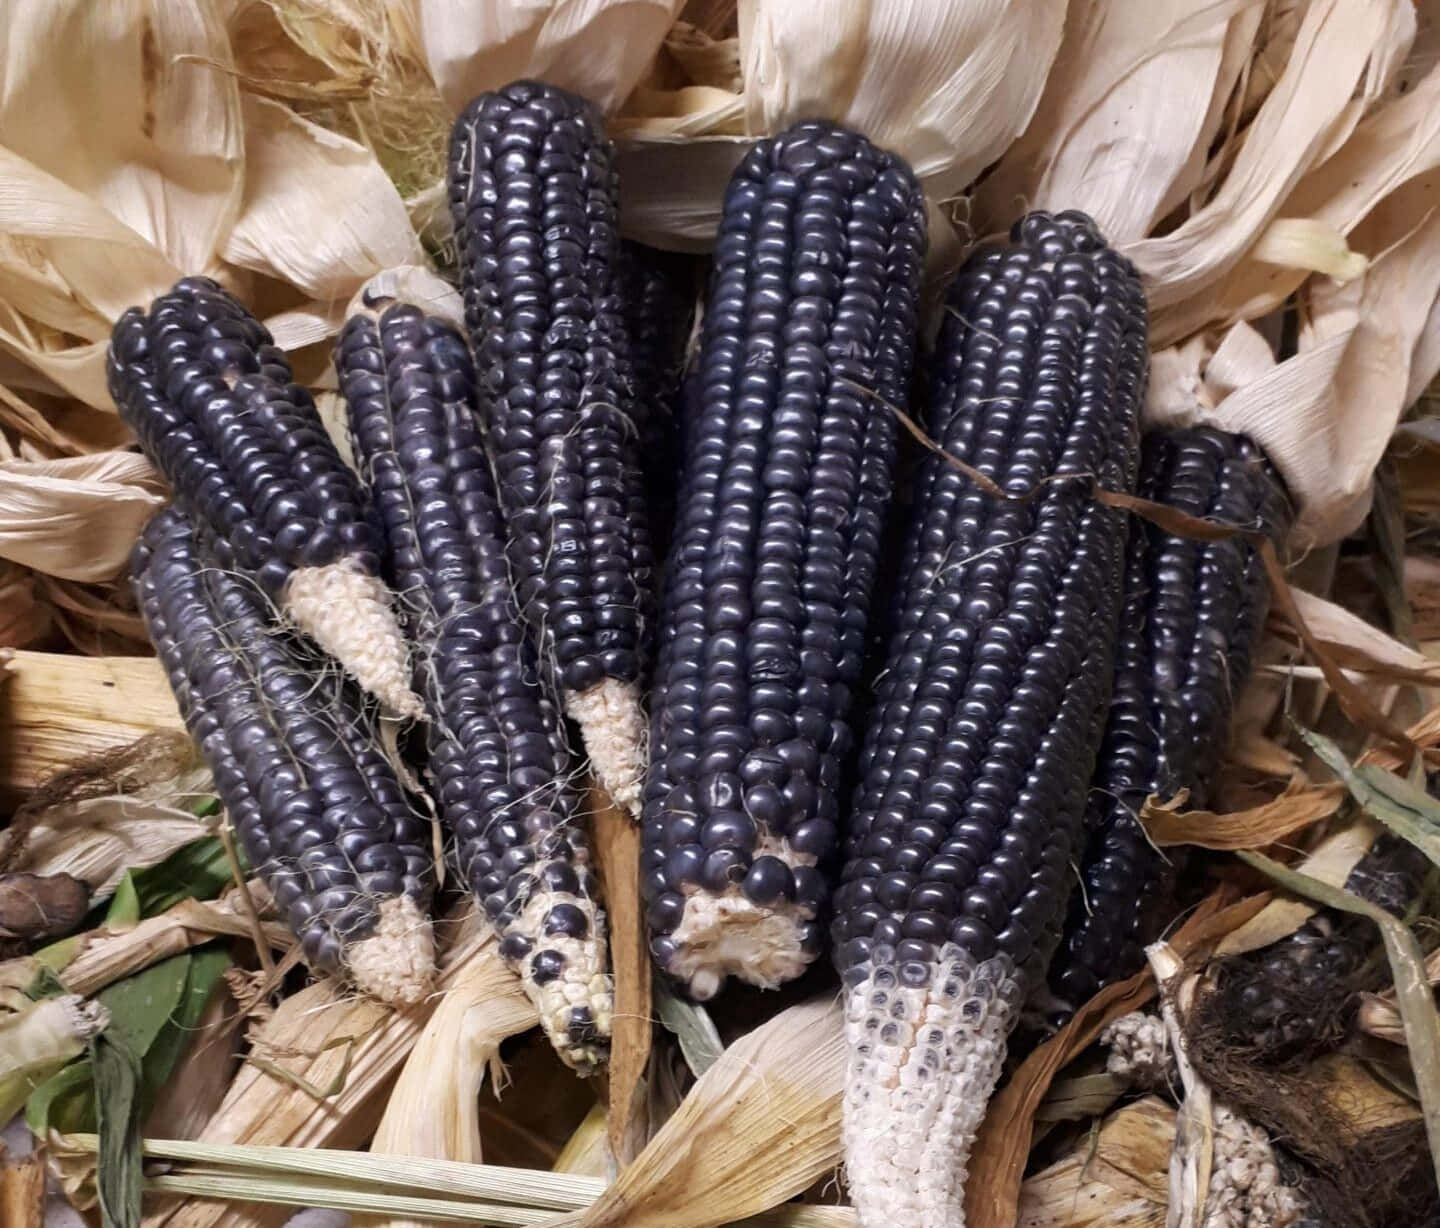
(317, 805)
(216, 409)
(533, 197)
(806, 344)
(1192, 618)
(496, 746)
(988, 712)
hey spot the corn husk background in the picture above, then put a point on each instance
(1272, 166)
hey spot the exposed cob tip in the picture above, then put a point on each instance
(396, 963)
(569, 984)
(612, 723)
(927, 1042)
(349, 614)
(729, 935)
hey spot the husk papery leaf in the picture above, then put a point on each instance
(189, 1098)
(947, 86)
(131, 105)
(322, 1033)
(1115, 1178)
(60, 708)
(318, 210)
(1357, 644)
(24, 619)
(78, 517)
(597, 48)
(1135, 92)
(1294, 810)
(432, 1110)
(1309, 108)
(757, 1128)
(99, 620)
(1330, 862)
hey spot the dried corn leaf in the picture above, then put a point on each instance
(1309, 109)
(759, 1127)
(60, 709)
(323, 1038)
(433, 1110)
(1115, 1178)
(76, 518)
(1134, 95)
(1359, 645)
(992, 1190)
(24, 620)
(598, 48)
(1294, 810)
(318, 210)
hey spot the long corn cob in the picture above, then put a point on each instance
(318, 808)
(495, 743)
(533, 197)
(988, 711)
(1193, 615)
(216, 409)
(1292, 999)
(784, 486)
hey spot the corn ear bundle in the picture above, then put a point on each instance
(988, 711)
(496, 746)
(216, 409)
(784, 485)
(318, 808)
(1192, 619)
(533, 196)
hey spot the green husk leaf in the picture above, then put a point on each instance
(207, 966)
(64, 1102)
(123, 911)
(1412, 985)
(1405, 808)
(118, 1173)
(692, 1027)
(141, 1005)
(195, 871)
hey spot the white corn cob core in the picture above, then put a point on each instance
(348, 613)
(584, 982)
(396, 963)
(927, 1042)
(612, 722)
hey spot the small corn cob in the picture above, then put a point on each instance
(319, 810)
(1292, 999)
(1192, 618)
(496, 746)
(988, 712)
(533, 197)
(657, 291)
(784, 487)
(215, 407)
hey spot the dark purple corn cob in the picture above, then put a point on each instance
(1192, 619)
(1294, 998)
(318, 808)
(496, 747)
(784, 486)
(658, 292)
(988, 712)
(533, 197)
(214, 405)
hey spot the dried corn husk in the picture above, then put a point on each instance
(61, 709)
(759, 1127)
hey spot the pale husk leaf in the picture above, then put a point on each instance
(597, 48)
(1309, 109)
(78, 517)
(1135, 93)
(318, 211)
(433, 1110)
(758, 1127)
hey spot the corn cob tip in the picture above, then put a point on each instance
(729, 935)
(566, 976)
(927, 1042)
(612, 722)
(396, 963)
(409, 284)
(349, 614)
